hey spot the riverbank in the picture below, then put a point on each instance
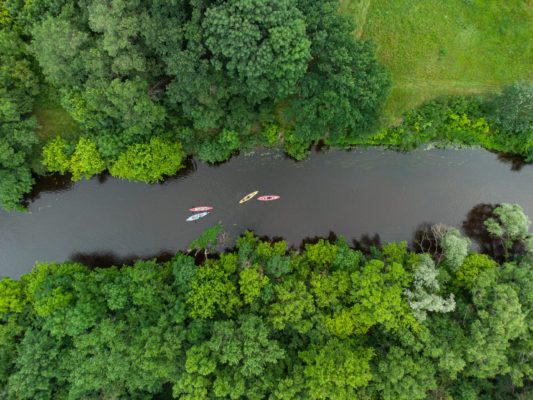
(362, 194)
(262, 321)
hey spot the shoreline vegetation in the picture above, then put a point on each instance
(263, 321)
(135, 88)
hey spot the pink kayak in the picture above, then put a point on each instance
(268, 198)
(201, 209)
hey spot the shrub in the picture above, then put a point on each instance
(511, 112)
(86, 160)
(220, 148)
(295, 147)
(55, 155)
(149, 162)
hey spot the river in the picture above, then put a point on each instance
(367, 195)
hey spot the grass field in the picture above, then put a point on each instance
(53, 120)
(436, 47)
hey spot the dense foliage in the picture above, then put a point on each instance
(130, 70)
(262, 321)
(203, 75)
(502, 122)
(18, 87)
(512, 114)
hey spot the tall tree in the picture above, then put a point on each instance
(18, 87)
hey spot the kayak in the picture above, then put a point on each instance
(196, 217)
(248, 197)
(268, 198)
(201, 208)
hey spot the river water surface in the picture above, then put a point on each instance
(359, 194)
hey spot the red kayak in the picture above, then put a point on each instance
(200, 209)
(268, 198)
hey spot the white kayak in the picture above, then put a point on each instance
(196, 217)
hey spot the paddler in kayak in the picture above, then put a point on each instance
(248, 197)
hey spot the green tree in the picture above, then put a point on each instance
(340, 96)
(321, 254)
(219, 148)
(454, 248)
(336, 370)
(238, 355)
(509, 223)
(212, 290)
(60, 47)
(261, 45)
(39, 372)
(149, 162)
(95, 54)
(473, 265)
(511, 112)
(18, 87)
(251, 282)
(403, 376)
(12, 296)
(377, 296)
(208, 240)
(498, 321)
(55, 155)
(86, 160)
(292, 306)
(424, 296)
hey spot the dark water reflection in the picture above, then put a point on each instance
(516, 162)
(369, 196)
(45, 184)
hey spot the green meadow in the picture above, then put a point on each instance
(434, 47)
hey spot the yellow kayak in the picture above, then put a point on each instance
(248, 197)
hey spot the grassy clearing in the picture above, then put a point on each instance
(52, 118)
(434, 47)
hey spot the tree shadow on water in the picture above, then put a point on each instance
(332, 238)
(106, 259)
(516, 162)
(54, 183)
(474, 228)
(190, 167)
(368, 244)
(425, 239)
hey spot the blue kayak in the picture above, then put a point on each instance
(196, 217)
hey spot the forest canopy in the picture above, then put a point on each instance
(129, 70)
(267, 322)
(134, 87)
(205, 75)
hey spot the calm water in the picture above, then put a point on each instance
(357, 194)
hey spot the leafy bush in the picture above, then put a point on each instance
(86, 160)
(296, 147)
(456, 121)
(510, 224)
(149, 162)
(219, 148)
(55, 155)
(511, 112)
